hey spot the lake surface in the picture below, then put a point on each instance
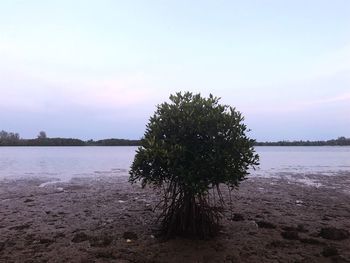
(64, 163)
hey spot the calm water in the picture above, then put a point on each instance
(63, 163)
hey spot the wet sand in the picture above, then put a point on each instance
(107, 220)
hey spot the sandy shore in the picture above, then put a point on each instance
(90, 220)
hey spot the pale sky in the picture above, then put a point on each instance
(96, 69)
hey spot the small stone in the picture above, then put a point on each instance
(128, 241)
(299, 202)
(253, 224)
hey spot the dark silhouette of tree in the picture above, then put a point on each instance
(14, 139)
(341, 141)
(42, 135)
(9, 138)
(116, 142)
(190, 147)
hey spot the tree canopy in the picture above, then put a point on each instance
(192, 145)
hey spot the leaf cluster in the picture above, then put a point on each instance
(196, 143)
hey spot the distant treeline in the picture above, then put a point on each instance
(341, 141)
(13, 139)
(113, 142)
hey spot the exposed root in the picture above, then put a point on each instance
(186, 214)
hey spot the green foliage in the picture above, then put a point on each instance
(13, 139)
(192, 145)
(341, 141)
(114, 142)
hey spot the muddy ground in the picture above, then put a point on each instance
(105, 219)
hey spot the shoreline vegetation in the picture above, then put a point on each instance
(14, 139)
(340, 141)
